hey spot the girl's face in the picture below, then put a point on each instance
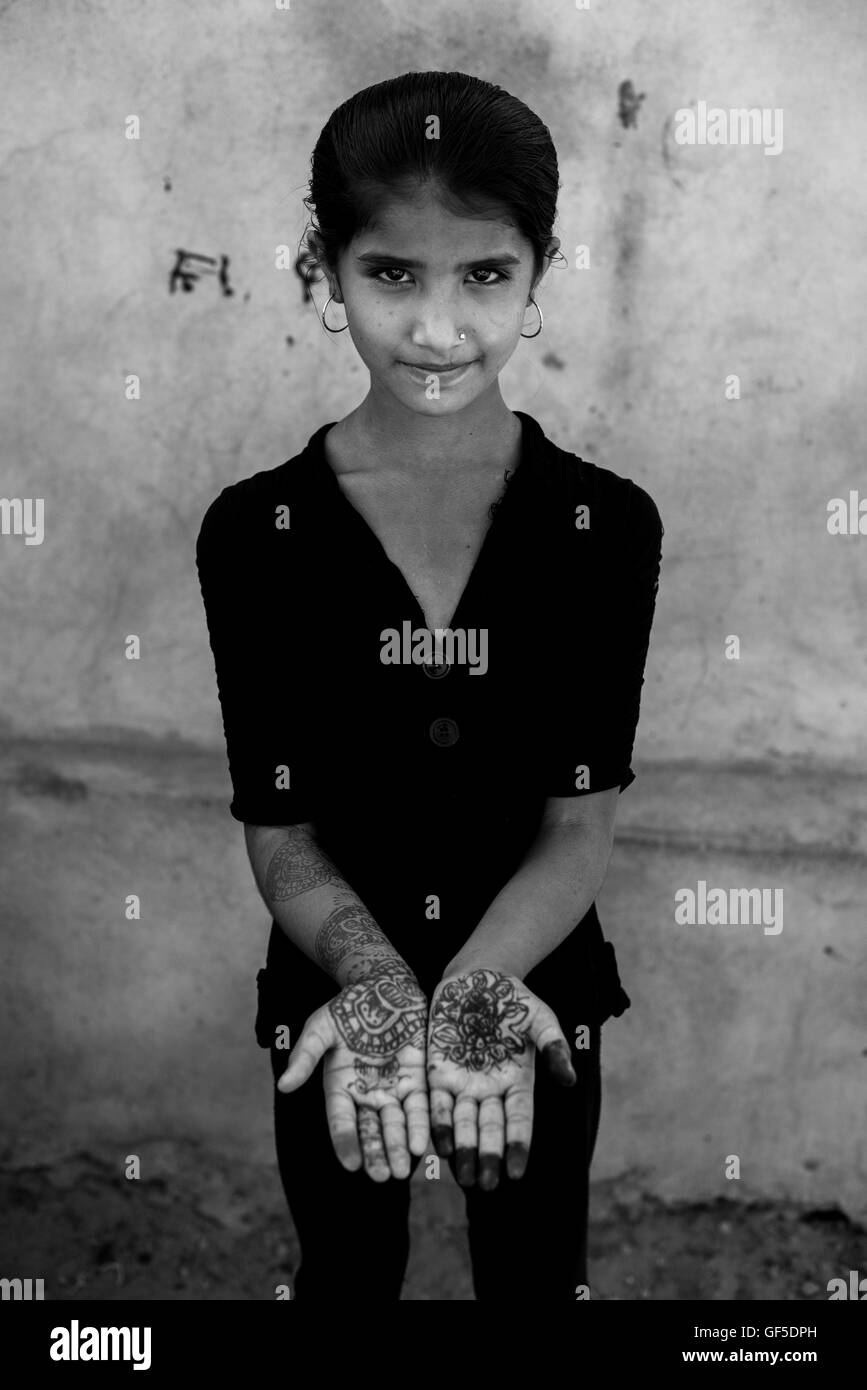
(419, 279)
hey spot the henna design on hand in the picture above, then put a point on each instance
(381, 1014)
(369, 1077)
(377, 1017)
(476, 1021)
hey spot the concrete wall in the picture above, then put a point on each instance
(705, 262)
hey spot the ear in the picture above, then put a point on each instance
(551, 250)
(317, 251)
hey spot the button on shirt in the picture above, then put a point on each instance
(426, 779)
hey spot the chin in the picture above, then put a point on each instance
(445, 405)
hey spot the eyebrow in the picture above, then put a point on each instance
(380, 258)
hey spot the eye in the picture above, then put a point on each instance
(490, 270)
(377, 274)
(385, 274)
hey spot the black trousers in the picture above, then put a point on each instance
(528, 1237)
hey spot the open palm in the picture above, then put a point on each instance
(372, 1035)
(484, 1030)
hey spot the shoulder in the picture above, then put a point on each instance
(246, 511)
(617, 506)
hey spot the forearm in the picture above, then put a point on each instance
(313, 904)
(540, 905)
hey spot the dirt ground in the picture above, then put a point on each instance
(204, 1229)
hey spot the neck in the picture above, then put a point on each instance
(486, 432)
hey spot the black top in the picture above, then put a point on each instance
(427, 780)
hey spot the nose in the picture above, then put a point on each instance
(435, 328)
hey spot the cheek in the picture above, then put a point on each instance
(503, 322)
(379, 326)
(502, 339)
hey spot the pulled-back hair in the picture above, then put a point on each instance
(493, 157)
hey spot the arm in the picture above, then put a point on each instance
(314, 905)
(372, 1033)
(485, 1026)
(556, 884)
(593, 724)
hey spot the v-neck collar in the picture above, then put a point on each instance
(515, 484)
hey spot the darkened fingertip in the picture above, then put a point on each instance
(516, 1159)
(465, 1166)
(443, 1140)
(489, 1172)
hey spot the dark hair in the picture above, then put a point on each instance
(494, 157)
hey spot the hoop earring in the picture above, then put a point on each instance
(541, 321)
(324, 324)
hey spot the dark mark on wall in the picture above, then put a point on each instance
(627, 233)
(628, 104)
(188, 277)
(290, 341)
(552, 360)
(167, 183)
(767, 383)
(666, 153)
(34, 780)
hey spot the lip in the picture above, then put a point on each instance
(449, 373)
(442, 367)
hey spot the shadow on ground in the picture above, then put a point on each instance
(202, 1228)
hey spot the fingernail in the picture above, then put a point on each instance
(489, 1172)
(443, 1140)
(516, 1160)
(465, 1163)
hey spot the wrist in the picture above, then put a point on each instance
(358, 968)
(488, 960)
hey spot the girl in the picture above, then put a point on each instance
(429, 630)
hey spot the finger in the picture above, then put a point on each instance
(442, 1104)
(372, 1148)
(393, 1122)
(342, 1125)
(316, 1038)
(466, 1139)
(547, 1035)
(417, 1122)
(492, 1127)
(519, 1131)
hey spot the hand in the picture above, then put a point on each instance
(483, 1032)
(373, 1033)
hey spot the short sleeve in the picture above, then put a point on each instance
(609, 599)
(234, 553)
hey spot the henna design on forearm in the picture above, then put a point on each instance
(297, 866)
(345, 932)
(476, 1021)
